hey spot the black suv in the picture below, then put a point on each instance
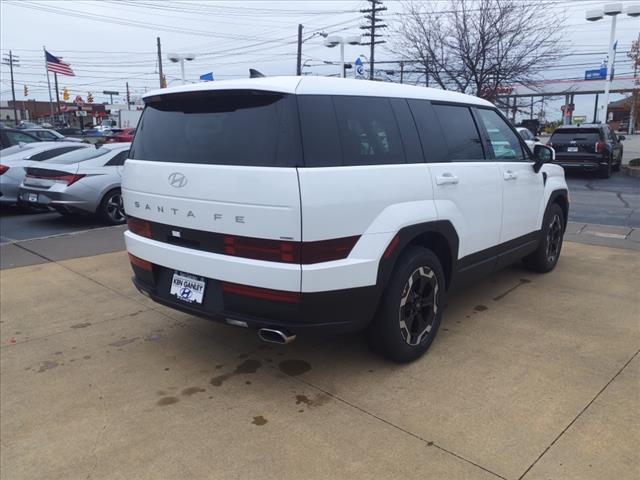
(588, 147)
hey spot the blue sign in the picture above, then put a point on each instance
(359, 68)
(207, 77)
(599, 74)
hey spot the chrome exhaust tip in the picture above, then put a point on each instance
(275, 336)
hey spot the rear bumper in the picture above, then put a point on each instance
(328, 312)
(80, 200)
(581, 161)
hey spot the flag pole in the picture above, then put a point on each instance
(48, 81)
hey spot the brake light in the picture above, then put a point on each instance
(261, 293)
(139, 227)
(69, 179)
(3, 169)
(139, 262)
(289, 252)
(601, 147)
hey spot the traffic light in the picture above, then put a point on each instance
(65, 94)
(164, 82)
(26, 91)
(89, 98)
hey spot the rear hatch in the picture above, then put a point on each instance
(574, 142)
(218, 161)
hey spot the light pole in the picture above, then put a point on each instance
(612, 10)
(176, 57)
(334, 40)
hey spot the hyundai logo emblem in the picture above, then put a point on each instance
(177, 180)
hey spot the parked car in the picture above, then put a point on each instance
(13, 164)
(86, 181)
(591, 147)
(11, 136)
(48, 135)
(528, 137)
(25, 124)
(124, 135)
(70, 132)
(295, 204)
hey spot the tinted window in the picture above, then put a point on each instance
(578, 135)
(408, 131)
(54, 152)
(16, 137)
(118, 159)
(320, 138)
(435, 150)
(459, 133)
(504, 141)
(224, 128)
(80, 155)
(369, 134)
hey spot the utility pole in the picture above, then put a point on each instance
(55, 82)
(370, 14)
(160, 64)
(299, 59)
(128, 98)
(10, 60)
(634, 54)
(401, 72)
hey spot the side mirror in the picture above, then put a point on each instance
(621, 137)
(541, 155)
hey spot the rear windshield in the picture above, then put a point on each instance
(586, 135)
(80, 155)
(248, 128)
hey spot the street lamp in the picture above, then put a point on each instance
(176, 57)
(335, 40)
(612, 10)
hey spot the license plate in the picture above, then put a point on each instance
(572, 149)
(32, 197)
(188, 288)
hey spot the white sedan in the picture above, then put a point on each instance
(529, 138)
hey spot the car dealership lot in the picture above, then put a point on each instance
(534, 374)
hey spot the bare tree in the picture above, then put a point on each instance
(477, 46)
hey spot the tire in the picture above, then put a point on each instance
(415, 293)
(545, 258)
(111, 209)
(616, 167)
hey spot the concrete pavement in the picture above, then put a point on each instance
(532, 376)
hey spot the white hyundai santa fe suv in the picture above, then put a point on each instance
(294, 204)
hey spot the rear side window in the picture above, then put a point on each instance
(369, 133)
(119, 159)
(54, 152)
(460, 133)
(577, 135)
(249, 128)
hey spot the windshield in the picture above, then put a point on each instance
(587, 135)
(248, 128)
(79, 155)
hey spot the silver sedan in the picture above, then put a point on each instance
(86, 181)
(14, 160)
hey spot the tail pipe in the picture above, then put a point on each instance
(275, 336)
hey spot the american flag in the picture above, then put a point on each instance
(54, 64)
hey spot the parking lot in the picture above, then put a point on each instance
(532, 376)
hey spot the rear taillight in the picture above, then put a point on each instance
(601, 147)
(261, 293)
(139, 262)
(3, 169)
(139, 227)
(289, 252)
(68, 179)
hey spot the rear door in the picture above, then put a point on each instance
(522, 188)
(466, 184)
(219, 161)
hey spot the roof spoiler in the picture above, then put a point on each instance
(253, 73)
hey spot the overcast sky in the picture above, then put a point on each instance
(110, 42)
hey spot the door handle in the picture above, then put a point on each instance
(510, 175)
(447, 178)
